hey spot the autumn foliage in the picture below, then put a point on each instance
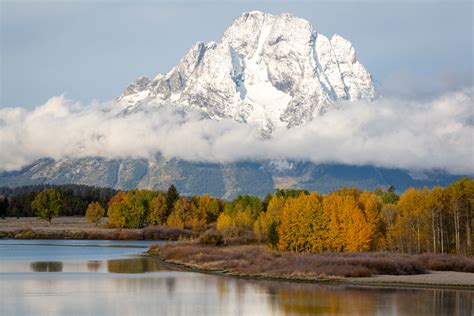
(437, 220)
(94, 213)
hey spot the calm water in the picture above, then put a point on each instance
(45, 277)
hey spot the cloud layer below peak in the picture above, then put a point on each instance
(412, 135)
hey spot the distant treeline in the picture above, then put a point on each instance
(437, 220)
(75, 197)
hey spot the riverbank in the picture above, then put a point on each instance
(361, 269)
(76, 227)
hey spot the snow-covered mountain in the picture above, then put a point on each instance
(272, 71)
(269, 70)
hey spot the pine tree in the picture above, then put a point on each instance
(172, 196)
(273, 234)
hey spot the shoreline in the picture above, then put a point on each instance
(430, 280)
(237, 261)
(77, 228)
(364, 282)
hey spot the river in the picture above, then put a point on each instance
(66, 277)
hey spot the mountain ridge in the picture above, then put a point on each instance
(220, 180)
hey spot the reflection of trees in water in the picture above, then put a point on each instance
(134, 265)
(435, 301)
(222, 288)
(46, 266)
(273, 298)
(93, 266)
(170, 285)
(317, 299)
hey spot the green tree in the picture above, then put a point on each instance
(94, 213)
(242, 203)
(137, 207)
(273, 234)
(48, 204)
(209, 207)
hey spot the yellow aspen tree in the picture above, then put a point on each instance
(461, 200)
(285, 238)
(332, 206)
(273, 214)
(318, 232)
(157, 209)
(436, 204)
(391, 239)
(117, 209)
(353, 224)
(94, 213)
(208, 208)
(181, 215)
(299, 224)
(412, 206)
(197, 213)
(371, 206)
(260, 227)
(225, 224)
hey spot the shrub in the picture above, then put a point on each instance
(211, 238)
(165, 233)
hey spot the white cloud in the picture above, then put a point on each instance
(388, 132)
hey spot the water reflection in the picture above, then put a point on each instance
(142, 264)
(133, 265)
(142, 285)
(93, 265)
(310, 299)
(46, 266)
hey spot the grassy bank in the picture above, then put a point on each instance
(260, 262)
(78, 228)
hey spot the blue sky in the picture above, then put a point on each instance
(94, 49)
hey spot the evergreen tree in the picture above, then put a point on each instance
(273, 234)
(3, 206)
(172, 196)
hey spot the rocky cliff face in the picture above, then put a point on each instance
(220, 180)
(273, 71)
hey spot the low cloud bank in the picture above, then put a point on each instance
(389, 132)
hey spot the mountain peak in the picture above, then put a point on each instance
(270, 70)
